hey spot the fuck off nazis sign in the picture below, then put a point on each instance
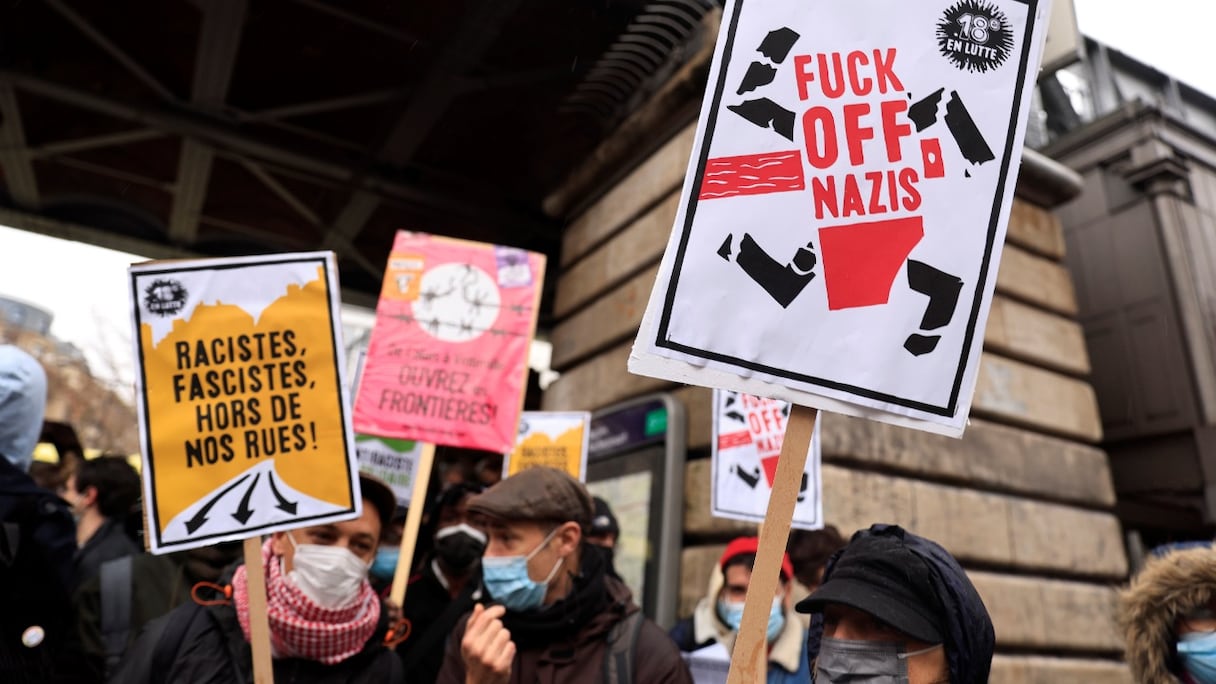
(841, 221)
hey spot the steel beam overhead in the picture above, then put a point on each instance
(15, 156)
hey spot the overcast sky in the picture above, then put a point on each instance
(86, 289)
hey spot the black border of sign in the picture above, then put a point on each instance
(149, 460)
(690, 201)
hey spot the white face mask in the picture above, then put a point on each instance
(329, 575)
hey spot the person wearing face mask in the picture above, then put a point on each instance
(709, 635)
(552, 613)
(446, 583)
(326, 622)
(1168, 617)
(897, 608)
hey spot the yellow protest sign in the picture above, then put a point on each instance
(244, 413)
(557, 439)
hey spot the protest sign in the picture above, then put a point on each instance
(840, 225)
(557, 439)
(393, 461)
(447, 359)
(747, 439)
(243, 407)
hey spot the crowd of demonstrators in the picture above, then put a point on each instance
(551, 612)
(711, 631)
(102, 493)
(1168, 617)
(895, 607)
(327, 624)
(447, 581)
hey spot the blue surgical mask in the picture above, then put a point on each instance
(1198, 653)
(731, 614)
(508, 582)
(385, 565)
(776, 621)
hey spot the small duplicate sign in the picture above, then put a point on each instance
(748, 433)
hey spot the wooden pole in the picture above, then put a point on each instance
(749, 661)
(259, 627)
(413, 519)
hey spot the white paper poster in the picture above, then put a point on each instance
(748, 432)
(840, 227)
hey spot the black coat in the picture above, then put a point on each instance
(109, 542)
(211, 649)
(37, 540)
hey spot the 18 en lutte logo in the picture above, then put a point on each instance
(975, 36)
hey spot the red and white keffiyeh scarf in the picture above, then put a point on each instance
(299, 628)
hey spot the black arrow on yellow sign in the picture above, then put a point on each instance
(286, 506)
(201, 516)
(243, 511)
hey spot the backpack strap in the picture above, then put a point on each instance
(115, 576)
(622, 649)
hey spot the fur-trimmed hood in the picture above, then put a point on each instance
(1167, 588)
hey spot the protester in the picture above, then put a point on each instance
(326, 622)
(102, 493)
(711, 631)
(445, 585)
(385, 566)
(897, 607)
(555, 615)
(809, 551)
(37, 538)
(139, 589)
(1168, 617)
(604, 532)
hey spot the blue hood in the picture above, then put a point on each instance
(22, 403)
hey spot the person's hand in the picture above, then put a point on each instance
(487, 648)
(392, 610)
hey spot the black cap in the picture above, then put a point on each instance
(603, 521)
(881, 575)
(380, 495)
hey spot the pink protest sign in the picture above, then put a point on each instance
(447, 360)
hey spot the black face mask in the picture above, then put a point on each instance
(459, 546)
(607, 553)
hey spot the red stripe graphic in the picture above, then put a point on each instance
(752, 174)
(732, 440)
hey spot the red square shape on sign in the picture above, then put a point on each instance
(861, 260)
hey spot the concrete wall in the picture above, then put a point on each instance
(1023, 500)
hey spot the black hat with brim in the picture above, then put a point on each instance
(879, 575)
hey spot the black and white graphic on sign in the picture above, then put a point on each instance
(975, 36)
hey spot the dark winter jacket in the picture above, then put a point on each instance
(432, 614)
(159, 584)
(109, 542)
(37, 540)
(565, 643)
(211, 649)
(970, 638)
(1166, 589)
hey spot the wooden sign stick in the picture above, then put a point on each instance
(259, 626)
(413, 519)
(749, 662)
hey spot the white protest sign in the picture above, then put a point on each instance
(840, 226)
(748, 432)
(393, 461)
